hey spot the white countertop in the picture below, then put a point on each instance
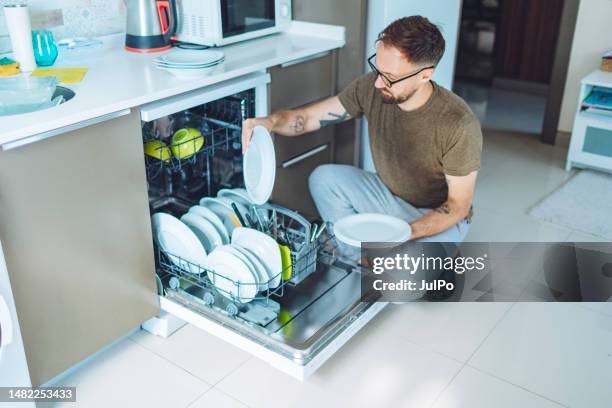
(118, 79)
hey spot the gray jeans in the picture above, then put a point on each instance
(340, 190)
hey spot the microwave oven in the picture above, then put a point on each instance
(222, 22)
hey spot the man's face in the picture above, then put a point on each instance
(391, 62)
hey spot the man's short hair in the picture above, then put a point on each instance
(418, 39)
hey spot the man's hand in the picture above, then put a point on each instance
(453, 211)
(250, 124)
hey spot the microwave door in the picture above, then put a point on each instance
(241, 17)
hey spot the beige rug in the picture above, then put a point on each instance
(583, 203)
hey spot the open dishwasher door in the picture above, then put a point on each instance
(296, 325)
(315, 319)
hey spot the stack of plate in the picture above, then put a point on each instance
(190, 63)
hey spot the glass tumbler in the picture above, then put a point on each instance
(45, 50)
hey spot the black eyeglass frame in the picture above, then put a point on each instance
(386, 80)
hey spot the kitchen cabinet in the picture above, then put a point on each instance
(76, 234)
(292, 85)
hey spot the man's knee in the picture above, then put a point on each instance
(321, 177)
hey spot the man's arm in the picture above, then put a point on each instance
(454, 210)
(298, 121)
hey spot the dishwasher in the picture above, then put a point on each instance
(304, 320)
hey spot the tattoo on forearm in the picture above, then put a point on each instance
(443, 209)
(337, 119)
(298, 124)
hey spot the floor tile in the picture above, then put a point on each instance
(214, 398)
(474, 389)
(556, 350)
(128, 375)
(375, 369)
(196, 351)
(495, 226)
(453, 329)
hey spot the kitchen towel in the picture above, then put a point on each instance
(18, 24)
(64, 75)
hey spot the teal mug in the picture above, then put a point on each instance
(45, 50)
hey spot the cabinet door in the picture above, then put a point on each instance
(301, 83)
(291, 185)
(75, 227)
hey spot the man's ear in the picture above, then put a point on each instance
(427, 74)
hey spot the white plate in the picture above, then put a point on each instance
(369, 227)
(189, 73)
(214, 219)
(195, 65)
(264, 247)
(222, 209)
(259, 166)
(227, 200)
(204, 230)
(229, 270)
(190, 57)
(238, 195)
(259, 267)
(177, 240)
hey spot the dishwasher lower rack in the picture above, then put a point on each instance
(197, 282)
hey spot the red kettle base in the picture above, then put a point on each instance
(145, 50)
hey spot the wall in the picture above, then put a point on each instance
(70, 18)
(592, 38)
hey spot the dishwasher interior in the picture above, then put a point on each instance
(315, 300)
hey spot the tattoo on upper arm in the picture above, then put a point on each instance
(298, 124)
(443, 209)
(337, 118)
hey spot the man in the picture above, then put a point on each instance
(425, 140)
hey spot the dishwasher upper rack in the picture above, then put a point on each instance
(218, 135)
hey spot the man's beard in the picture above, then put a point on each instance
(389, 99)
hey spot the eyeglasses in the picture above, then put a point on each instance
(388, 82)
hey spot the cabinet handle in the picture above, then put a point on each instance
(304, 156)
(304, 59)
(55, 132)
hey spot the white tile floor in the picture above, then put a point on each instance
(439, 355)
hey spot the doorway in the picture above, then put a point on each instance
(512, 61)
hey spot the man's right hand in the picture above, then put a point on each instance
(247, 129)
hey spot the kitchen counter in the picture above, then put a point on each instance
(119, 80)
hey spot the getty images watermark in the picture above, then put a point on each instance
(412, 265)
(485, 272)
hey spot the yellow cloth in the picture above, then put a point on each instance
(65, 75)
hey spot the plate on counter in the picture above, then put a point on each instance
(180, 243)
(180, 57)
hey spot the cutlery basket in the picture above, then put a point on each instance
(291, 229)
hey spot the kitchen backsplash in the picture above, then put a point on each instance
(70, 18)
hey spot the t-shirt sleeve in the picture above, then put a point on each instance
(354, 95)
(462, 155)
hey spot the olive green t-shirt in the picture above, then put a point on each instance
(412, 151)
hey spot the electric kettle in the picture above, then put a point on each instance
(150, 25)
